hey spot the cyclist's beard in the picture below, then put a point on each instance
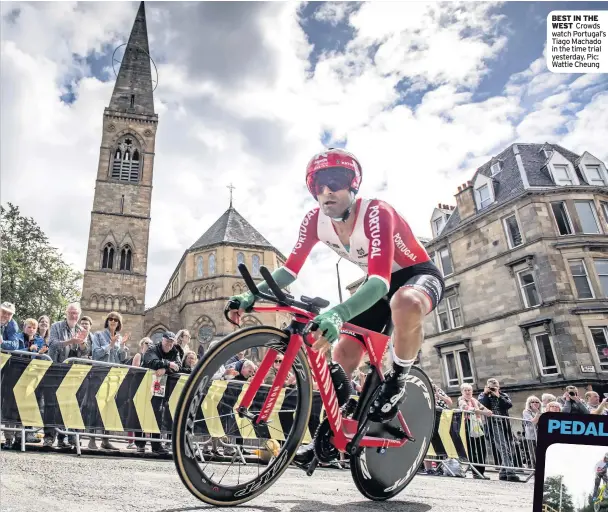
(346, 213)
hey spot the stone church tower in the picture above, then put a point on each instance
(117, 255)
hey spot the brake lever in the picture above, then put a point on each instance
(310, 327)
(235, 306)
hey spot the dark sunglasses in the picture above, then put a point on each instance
(335, 178)
(112, 319)
(278, 360)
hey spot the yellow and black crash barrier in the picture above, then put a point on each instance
(449, 437)
(120, 399)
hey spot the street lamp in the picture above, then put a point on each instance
(338, 274)
(561, 487)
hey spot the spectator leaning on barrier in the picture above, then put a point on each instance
(272, 372)
(442, 401)
(86, 323)
(573, 403)
(66, 339)
(182, 339)
(499, 428)
(474, 428)
(44, 329)
(189, 362)
(109, 344)
(164, 358)
(29, 338)
(144, 345)
(8, 327)
(531, 415)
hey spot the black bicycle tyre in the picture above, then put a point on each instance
(187, 469)
(418, 398)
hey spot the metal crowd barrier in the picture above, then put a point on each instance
(502, 443)
(67, 399)
(94, 434)
(28, 353)
(23, 429)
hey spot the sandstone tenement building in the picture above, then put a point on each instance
(525, 256)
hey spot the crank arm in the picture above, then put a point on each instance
(353, 447)
(397, 432)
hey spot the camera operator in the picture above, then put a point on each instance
(572, 402)
(165, 359)
(499, 428)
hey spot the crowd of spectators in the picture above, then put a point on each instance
(492, 436)
(75, 337)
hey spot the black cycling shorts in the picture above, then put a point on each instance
(425, 277)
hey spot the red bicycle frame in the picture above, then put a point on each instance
(344, 429)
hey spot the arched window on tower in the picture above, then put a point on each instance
(240, 258)
(107, 260)
(255, 264)
(126, 161)
(199, 266)
(126, 258)
(212, 264)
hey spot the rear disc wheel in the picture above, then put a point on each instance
(381, 476)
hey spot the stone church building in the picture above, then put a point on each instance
(117, 253)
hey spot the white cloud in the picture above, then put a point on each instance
(333, 12)
(240, 103)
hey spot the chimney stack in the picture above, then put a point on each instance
(465, 200)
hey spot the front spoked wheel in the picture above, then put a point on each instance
(208, 408)
(380, 476)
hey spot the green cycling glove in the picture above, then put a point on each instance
(245, 300)
(330, 324)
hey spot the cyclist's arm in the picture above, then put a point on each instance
(307, 239)
(378, 225)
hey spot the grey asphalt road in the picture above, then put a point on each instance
(62, 482)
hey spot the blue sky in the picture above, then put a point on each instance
(249, 92)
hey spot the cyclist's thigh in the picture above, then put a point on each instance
(374, 319)
(429, 285)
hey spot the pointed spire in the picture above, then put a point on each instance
(133, 88)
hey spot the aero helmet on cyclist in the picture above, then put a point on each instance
(337, 160)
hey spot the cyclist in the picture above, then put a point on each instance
(402, 283)
(600, 474)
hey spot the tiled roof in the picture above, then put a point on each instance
(508, 183)
(231, 228)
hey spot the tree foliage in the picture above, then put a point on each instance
(551, 491)
(34, 276)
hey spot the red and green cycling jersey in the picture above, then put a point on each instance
(381, 242)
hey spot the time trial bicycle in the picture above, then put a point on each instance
(384, 457)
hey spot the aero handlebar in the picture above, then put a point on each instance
(276, 295)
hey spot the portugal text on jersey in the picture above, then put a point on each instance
(381, 243)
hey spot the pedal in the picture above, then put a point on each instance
(397, 432)
(312, 466)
